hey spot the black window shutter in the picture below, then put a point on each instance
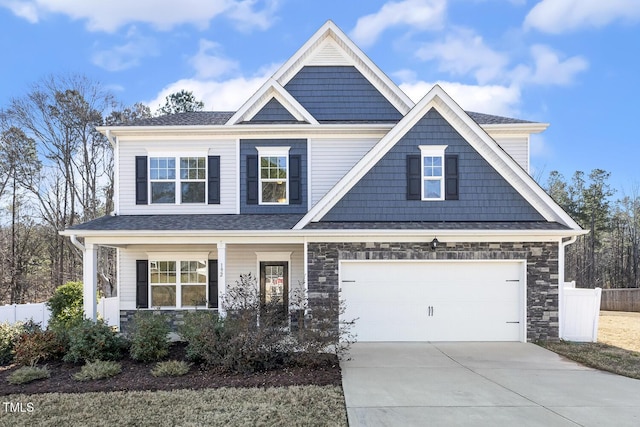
(142, 283)
(414, 176)
(213, 170)
(213, 283)
(141, 180)
(451, 177)
(252, 180)
(295, 180)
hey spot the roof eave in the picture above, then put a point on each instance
(324, 233)
(520, 128)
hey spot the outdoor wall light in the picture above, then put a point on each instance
(434, 244)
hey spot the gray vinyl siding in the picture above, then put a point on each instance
(331, 159)
(243, 259)
(128, 150)
(248, 147)
(273, 111)
(381, 194)
(517, 148)
(340, 93)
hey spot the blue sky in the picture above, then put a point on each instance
(571, 63)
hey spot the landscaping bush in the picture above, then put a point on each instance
(89, 341)
(33, 347)
(149, 341)
(202, 331)
(26, 374)
(98, 370)
(66, 305)
(170, 368)
(319, 333)
(253, 336)
(9, 334)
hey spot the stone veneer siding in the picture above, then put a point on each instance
(541, 258)
(174, 317)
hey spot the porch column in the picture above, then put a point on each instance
(90, 280)
(222, 283)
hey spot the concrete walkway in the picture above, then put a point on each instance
(481, 384)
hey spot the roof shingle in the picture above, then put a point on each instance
(213, 118)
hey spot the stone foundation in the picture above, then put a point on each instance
(541, 258)
(174, 317)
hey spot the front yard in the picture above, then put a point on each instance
(273, 406)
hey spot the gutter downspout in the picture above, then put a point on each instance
(76, 243)
(116, 171)
(561, 262)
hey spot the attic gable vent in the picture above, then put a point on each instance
(329, 54)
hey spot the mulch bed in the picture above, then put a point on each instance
(137, 376)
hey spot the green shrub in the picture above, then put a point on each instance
(26, 374)
(9, 334)
(66, 304)
(149, 341)
(33, 347)
(98, 370)
(170, 368)
(201, 331)
(89, 341)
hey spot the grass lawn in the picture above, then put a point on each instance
(275, 406)
(617, 349)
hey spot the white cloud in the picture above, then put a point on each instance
(111, 15)
(464, 52)
(208, 62)
(560, 16)
(415, 14)
(28, 11)
(549, 68)
(490, 99)
(222, 95)
(127, 55)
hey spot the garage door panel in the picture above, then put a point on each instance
(434, 301)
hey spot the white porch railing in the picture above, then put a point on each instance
(108, 308)
(581, 311)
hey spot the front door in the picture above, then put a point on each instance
(274, 283)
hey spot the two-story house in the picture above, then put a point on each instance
(330, 178)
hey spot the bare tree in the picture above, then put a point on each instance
(60, 114)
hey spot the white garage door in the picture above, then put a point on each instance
(434, 300)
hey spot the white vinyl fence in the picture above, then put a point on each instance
(581, 308)
(107, 309)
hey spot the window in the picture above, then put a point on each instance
(178, 283)
(162, 174)
(185, 176)
(432, 165)
(193, 174)
(273, 175)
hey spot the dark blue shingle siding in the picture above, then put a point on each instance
(273, 111)
(381, 193)
(340, 93)
(248, 147)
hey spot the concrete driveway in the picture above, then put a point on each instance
(481, 384)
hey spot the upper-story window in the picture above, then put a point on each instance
(177, 179)
(432, 163)
(273, 175)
